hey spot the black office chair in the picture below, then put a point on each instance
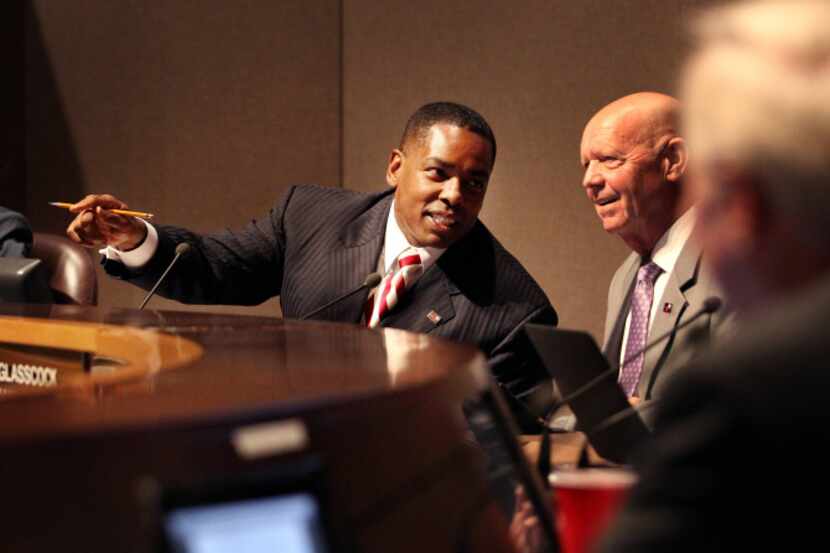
(71, 271)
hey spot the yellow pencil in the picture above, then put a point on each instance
(141, 214)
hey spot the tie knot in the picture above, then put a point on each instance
(410, 256)
(649, 272)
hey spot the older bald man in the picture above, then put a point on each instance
(635, 162)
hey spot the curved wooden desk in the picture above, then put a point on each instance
(117, 354)
(381, 410)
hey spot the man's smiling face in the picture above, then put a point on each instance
(440, 180)
(623, 176)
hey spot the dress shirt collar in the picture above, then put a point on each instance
(395, 243)
(668, 248)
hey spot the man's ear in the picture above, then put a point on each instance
(394, 167)
(675, 159)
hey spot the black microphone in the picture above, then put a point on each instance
(371, 280)
(181, 249)
(710, 305)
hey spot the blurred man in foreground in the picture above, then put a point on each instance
(728, 468)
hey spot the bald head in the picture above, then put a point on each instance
(634, 160)
(641, 118)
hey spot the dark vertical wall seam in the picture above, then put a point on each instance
(341, 83)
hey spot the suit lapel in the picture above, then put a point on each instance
(426, 306)
(620, 303)
(467, 265)
(670, 309)
(362, 242)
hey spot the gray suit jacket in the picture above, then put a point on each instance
(689, 285)
(319, 243)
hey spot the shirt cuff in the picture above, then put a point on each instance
(137, 258)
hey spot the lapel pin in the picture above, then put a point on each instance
(434, 317)
(667, 307)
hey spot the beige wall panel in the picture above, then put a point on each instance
(202, 112)
(537, 70)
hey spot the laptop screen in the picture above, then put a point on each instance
(288, 523)
(280, 508)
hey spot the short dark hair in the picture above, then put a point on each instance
(448, 113)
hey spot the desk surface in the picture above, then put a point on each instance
(181, 366)
(382, 409)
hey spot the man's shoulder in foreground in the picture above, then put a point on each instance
(778, 361)
(732, 436)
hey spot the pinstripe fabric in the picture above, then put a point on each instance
(319, 243)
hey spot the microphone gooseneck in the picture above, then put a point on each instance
(620, 416)
(371, 280)
(181, 250)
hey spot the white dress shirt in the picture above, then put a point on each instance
(665, 255)
(395, 243)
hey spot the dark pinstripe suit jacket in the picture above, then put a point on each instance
(319, 243)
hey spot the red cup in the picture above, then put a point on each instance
(585, 502)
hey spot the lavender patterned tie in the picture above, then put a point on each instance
(638, 328)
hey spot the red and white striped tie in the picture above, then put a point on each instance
(395, 284)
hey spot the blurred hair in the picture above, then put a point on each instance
(448, 113)
(757, 95)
